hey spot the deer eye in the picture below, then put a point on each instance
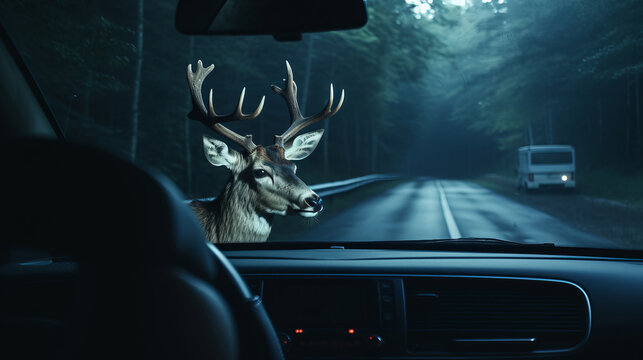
(259, 173)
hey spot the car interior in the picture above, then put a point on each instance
(102, 258)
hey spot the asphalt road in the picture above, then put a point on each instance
(438, 209)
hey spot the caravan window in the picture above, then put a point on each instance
(540, 158)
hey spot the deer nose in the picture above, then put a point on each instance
(314, 201)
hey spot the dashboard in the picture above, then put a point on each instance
(401, 304)
(391, 304)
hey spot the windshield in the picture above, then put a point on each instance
(431, 101)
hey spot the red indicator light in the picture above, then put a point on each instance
(370, 338)
(351, 331)
(299, 331)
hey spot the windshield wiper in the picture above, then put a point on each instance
(459, 244)
(478, 241)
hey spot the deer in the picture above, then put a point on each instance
(263, 181)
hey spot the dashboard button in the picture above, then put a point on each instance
(285, 341)
(374, 342)
(386, 286)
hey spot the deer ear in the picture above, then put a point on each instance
(218, 153)
(303, 145)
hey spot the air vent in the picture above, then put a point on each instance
(454, 315)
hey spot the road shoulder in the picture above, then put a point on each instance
(615, 221)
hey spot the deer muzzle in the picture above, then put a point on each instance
(311, 206)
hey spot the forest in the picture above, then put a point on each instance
(439, 88)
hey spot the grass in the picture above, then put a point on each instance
(620, 220)
(613, 184)
(617, 183)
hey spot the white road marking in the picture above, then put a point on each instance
(454, 233)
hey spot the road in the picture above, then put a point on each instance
(438, 209)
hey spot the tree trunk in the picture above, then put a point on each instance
(599, 110)
(357, 144)
(87, 98)
(327, 130)
(188, 151)
(549, 132)
(468, 148)
(637, 109)
(627, 118)
(309, 63)
(347, 148)
(365, 146)
(86, 95)
(72, 97)
(373, 149)
(137, 80)
(327, 137)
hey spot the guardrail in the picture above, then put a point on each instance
(341, 186)
(336, 187)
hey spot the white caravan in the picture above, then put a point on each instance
(546, 166)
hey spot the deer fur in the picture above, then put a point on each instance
(232, 213)
(245, 209)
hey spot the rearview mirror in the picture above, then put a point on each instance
(284, 19)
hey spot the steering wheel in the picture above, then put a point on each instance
(257, 336)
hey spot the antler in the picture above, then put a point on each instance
(209, 117)
(297, 121)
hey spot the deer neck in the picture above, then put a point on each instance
(236, 215)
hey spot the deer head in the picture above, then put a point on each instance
(267, 172)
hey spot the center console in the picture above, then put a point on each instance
(324, 316)
(431, 316)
